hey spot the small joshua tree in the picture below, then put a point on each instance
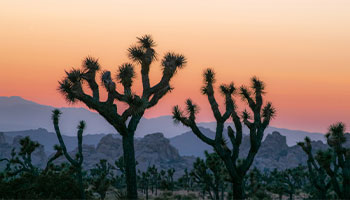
(78, 161)
(317, 174)
(210, 174)
(21, 162)
(126, 122)
(185, 180)
(262, 114)
(101, 177)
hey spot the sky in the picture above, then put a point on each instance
(299, 48)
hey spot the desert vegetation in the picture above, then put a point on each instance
(207, 179)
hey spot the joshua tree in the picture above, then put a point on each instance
(144, 178)
(153, 172)
(335, 161)
(126, 122)
(185, 180)
(170, 173)
(317, 174)
(256, 185)
(262, 114)
(119, 180)
(78, 161)
(22, 161)
(101, 177)
(210, 174)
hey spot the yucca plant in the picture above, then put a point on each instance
(262, 115)
(125, 123)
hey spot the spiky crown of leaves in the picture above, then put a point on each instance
(90, 63)
(336, 130)
(171, 62)
(126, 74)
(27, 146)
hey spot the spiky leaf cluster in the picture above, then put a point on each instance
(257, 85)
(126, 74)
(227, 89)
(143, 52)
(71, 84)
(209, 80)
(27, 146)
(335, 135)
(91, 64)
(268, 111)
(171, 62)
(324, 157)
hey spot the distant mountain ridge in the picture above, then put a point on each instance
(18, 114)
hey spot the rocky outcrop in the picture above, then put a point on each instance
(153, 149)
(275, 153)
(110, 146)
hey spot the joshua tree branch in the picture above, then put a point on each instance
(229, 107)
(158, 95)
(213, 104)
(55, 117)
(53, 158)
(200, 135)
(246, 95)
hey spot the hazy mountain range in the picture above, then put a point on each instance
(17, 114)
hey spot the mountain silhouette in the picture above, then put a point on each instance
(17, 114)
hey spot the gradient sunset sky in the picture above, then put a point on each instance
(299, 48)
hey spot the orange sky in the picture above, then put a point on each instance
(299, 48)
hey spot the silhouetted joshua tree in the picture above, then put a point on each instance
(256, 124)
(143, 54)
(78, 161)
(336, 160)
(317, 174)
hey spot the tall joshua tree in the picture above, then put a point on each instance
(126, 122)
(262, 114)
(78, 161)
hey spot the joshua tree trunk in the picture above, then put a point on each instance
(80, 181)
(290, 195)
(222, 191)
(237, 190)
(130, 171)
(346, 181)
